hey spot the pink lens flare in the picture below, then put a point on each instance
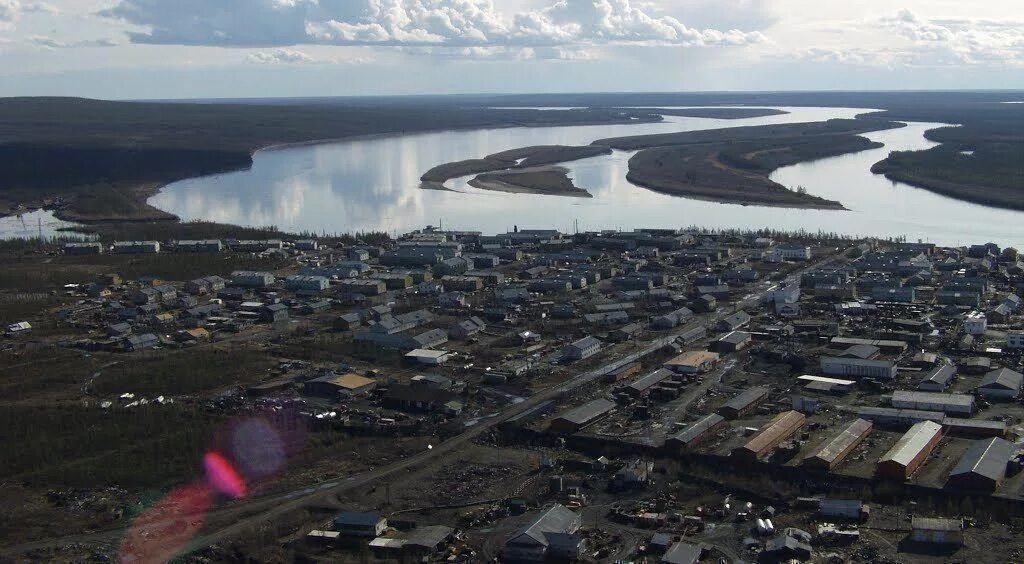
(163, 530)
(222, 476)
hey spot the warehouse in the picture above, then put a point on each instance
(937, 531)
(136, 247)
(831, 454)
(732, 342)
(823, 384)
(743, 403)
(978, 428)
(581, 349)
(692, 362)
(627, 371)
(333, 385)
(692, 436)
(1001, 384)
(907, 455)
(953, 404)
(852, 509)
(579, 417)
(782, 427)
(858, 367)
(642, 386)
(983, 466)
(938, 379)
(898, 417)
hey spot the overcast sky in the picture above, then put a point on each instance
(259, 48)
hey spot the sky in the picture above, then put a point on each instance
(146, 49)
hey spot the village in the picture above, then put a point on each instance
(645, 396)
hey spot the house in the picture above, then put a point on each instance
(732, 342)
(136, 247)
(693, 362)
(306, 284)
(139, 342)
(581, 349)
(428, 357)
(735, 321)
(625, 333)
(1001, 384)
(90, 248)
(975, 323)
(423, 542)
(673, 319)
(19, 328)
(274, 313)
(785, 548)
(552, 535)
(983, 466)
(205, 246)
(357, 524)
(249, 279)
(782, 253)
(1015, 340)
(849, 509)
(335, 385)
(938, 379)
(466, 329)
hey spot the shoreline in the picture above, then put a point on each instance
(706, 198)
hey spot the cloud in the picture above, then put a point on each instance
(278, 56)
(488, 53)
(959, 41)
(11, 11)
(419, 23)
(51, 43)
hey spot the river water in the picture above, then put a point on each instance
(373, 184)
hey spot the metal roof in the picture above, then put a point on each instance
(936, 398)
(784, 425)
(987, 458)
(746, 397)
(649, 381)
(588, 412)
(682, 553)
(558, 519)
(912, 443)
(847, 438)
(941, 375)
(1003, 378)
(694, 431)
(934, 524)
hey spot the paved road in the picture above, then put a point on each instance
(253, 513)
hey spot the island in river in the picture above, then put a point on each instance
(523, 158)
(546, 181)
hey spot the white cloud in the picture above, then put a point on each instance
(278, 56)
(451, 23)
(51, 43)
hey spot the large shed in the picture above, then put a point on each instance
(983, 466)
(907, 455)
(781, 428)
(833, 452)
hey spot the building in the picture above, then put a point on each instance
(362, 286)
(307, 245)
(695, 434)
(577, 418)
(983, 466)
(682, 553)
(428, 357)
(417, 398)
(826, 385)
(831, 454)
(975, 323)
(858, 367)
(274, 312)
(783, 427)
(552, 535)
(782, 253)
(90, 248)
(335, 385)
(626, 332)
(851, 509)
(139, 342)
(952, 404)
(205, 285)
(466, 329)
(693, 362)
(732, 342)
(462, 283)
(1001, 384)
(735, 321)
(207, 246)
(907, 455)
(743, 403)
(357, 524)
(673, 319)
(249, 279)
(581, 349)
(938, 379)
(643, 386)
(136, 247)
(306, 284)
(898, 417)
(937, 531)
(1015, 340)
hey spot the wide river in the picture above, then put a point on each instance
(373, 184)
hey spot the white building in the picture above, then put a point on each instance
(306, 283)
(551, 536)
(247, 279)
(975, 323)
(136, 247)
(781, 253)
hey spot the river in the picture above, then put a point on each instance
(373, 184)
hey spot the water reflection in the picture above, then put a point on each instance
(374, 184)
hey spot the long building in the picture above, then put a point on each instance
(952, 404)
(898, 417)
(858, 367)
(692, 436)
(983, 466)
(582, 416)
(743, 403)
(782, 427)
(907, 455)
(831, 454)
